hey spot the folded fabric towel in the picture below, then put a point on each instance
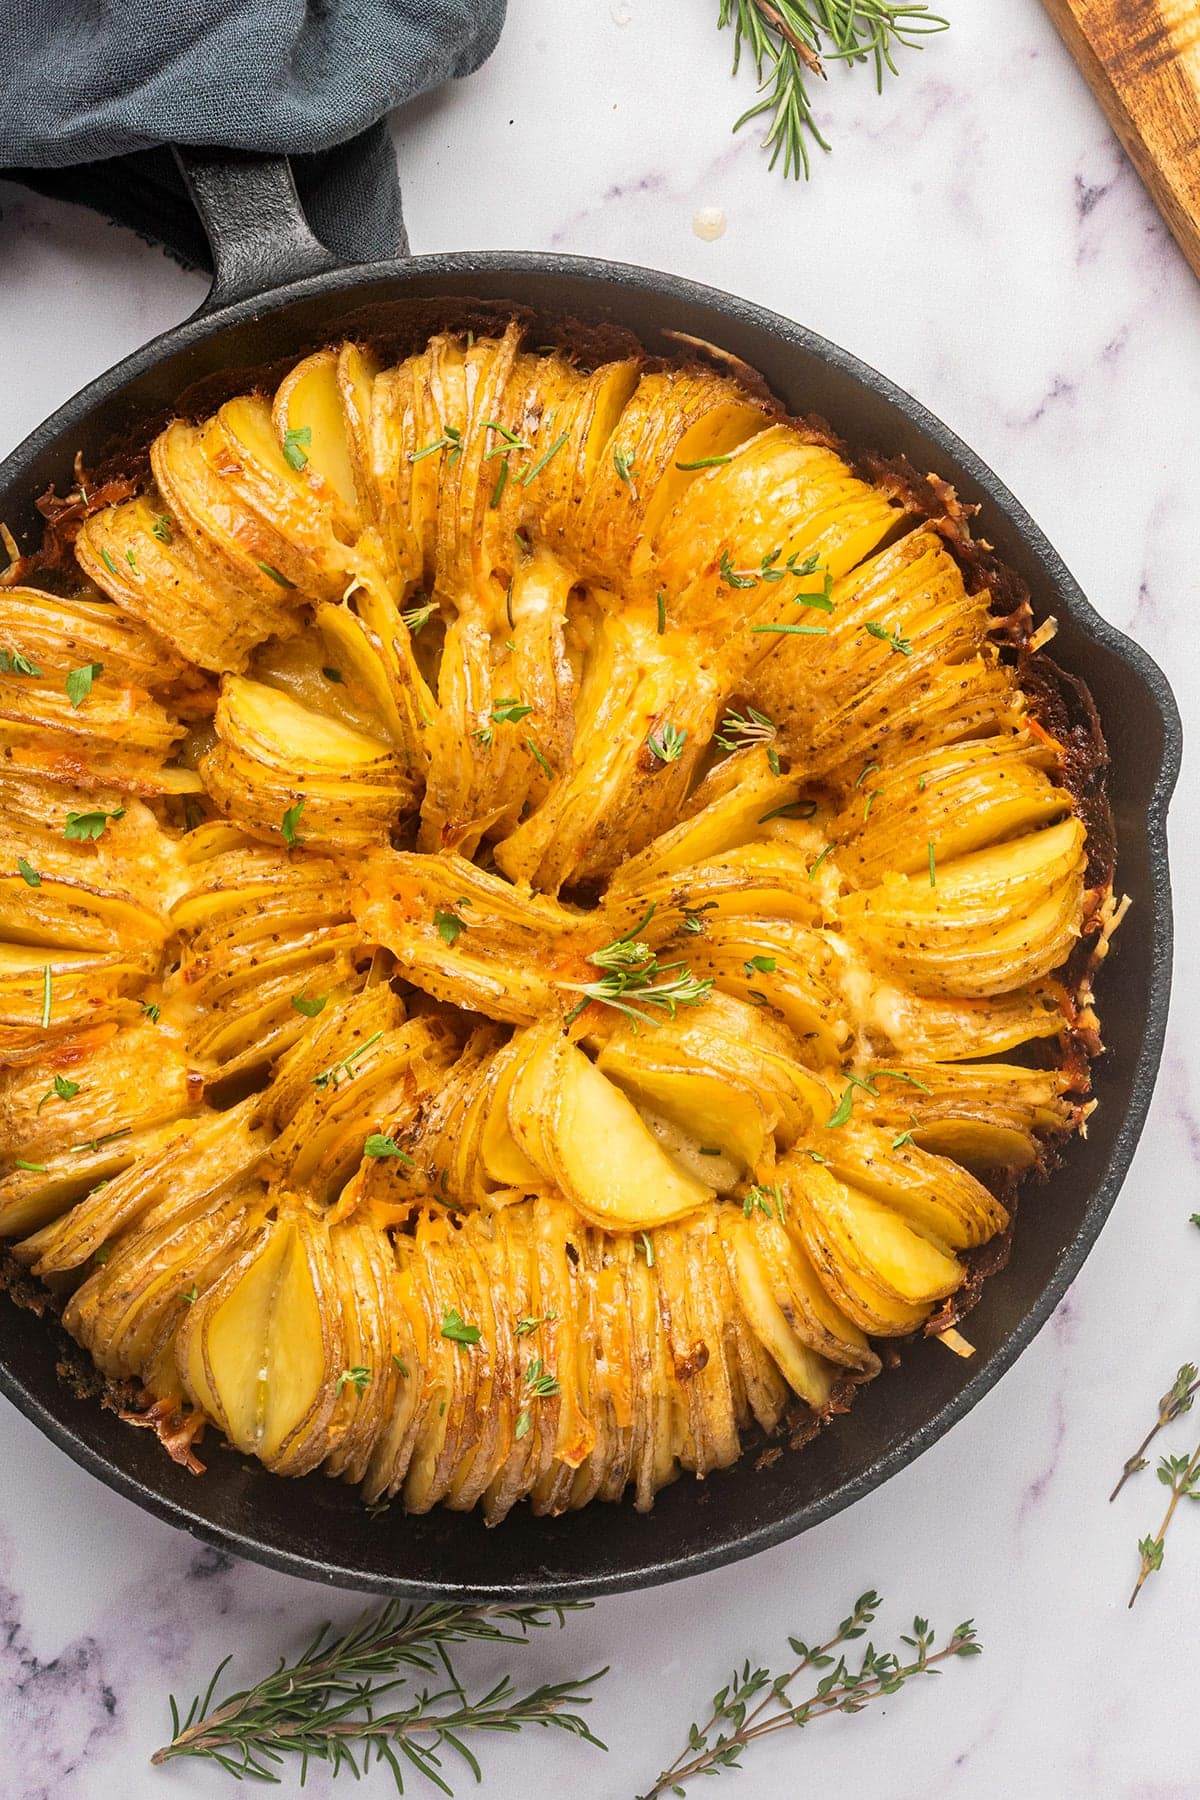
(92, 92)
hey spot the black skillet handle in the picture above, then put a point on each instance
(254, 221)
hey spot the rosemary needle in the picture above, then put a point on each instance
(788, 42)
(340, 1703)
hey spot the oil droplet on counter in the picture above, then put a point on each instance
(708, 222)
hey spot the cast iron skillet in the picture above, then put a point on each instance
(277, 291)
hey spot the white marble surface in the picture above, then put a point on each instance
(977, 235)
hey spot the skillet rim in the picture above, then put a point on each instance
(801, 1512)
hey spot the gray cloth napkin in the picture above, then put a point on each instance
(91, 92)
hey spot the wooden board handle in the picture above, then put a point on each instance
(1142, 61)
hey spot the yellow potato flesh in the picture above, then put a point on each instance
(310, 402)
(810, 1375)
(502, 1156)
(597, 1147)
(264, 1348)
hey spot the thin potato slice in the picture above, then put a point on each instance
(588, 1140)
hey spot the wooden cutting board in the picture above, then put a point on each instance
(1142, 60)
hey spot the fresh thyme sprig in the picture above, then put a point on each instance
(790, 41)
(326, 1706)
(736, 729)
(1179, 1473)
(631, 967)
(1176, 1400)
(755, 1703)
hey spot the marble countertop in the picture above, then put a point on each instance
(976, 234)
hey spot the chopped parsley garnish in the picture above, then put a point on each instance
(660, 601)
(79, 683)
(296, 444)
(62, 1090)
(308, 1006)
(449, 926)
(85, 828)
(822, 598)
(162, 528)
(288, 824)
(152, 1010)
(845, 1106)
(623, 464)
(455, 1327)
(358, 1377)
(28, 874)
(381, 1148)
(510, 711)
(13, 663)
(761, 965)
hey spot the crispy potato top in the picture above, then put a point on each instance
(514, 881)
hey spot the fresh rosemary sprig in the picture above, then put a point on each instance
(326, 1705)
(1179, 1473)
(755, 1703)
(790, 40)
(631, 967)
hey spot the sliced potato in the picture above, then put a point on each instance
(587, 1138)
